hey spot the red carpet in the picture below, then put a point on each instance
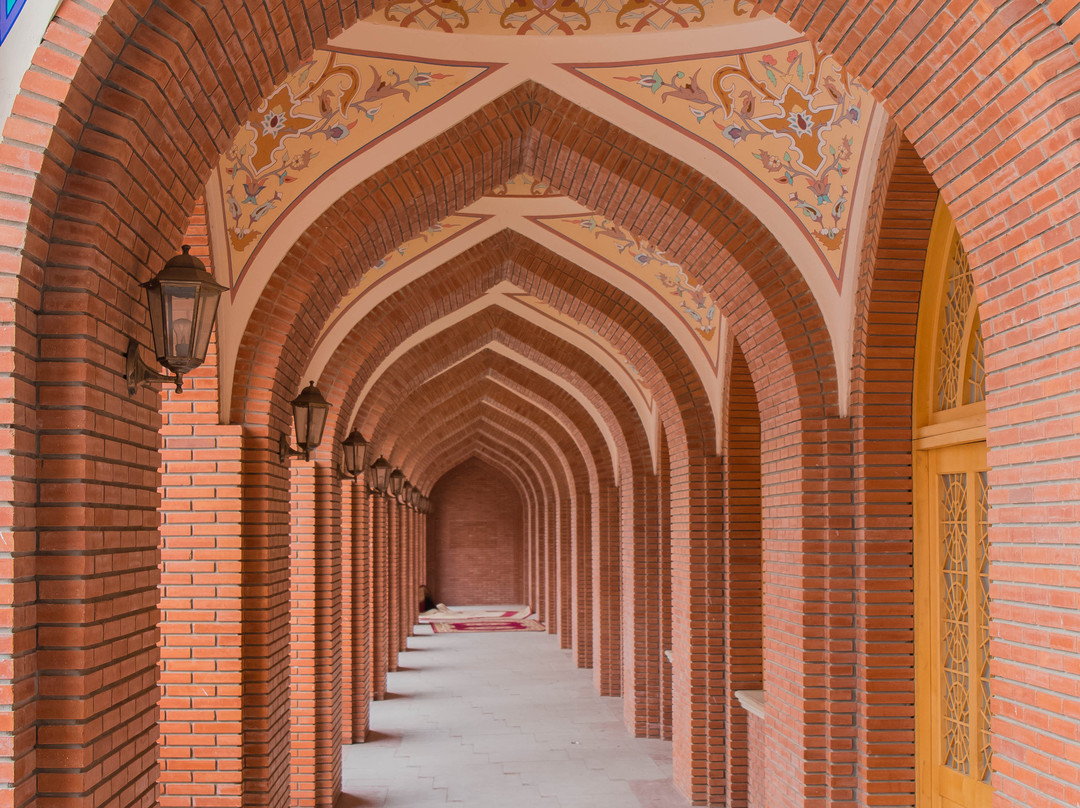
(485, 624)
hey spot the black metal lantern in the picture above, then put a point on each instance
(380, 475)
(397, 482)
(416, 497)
(356, 450)
(309, 419)
(183, 300)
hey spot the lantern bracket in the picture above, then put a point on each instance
(286, 450)
(138, 373)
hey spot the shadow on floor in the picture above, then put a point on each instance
(352, 801)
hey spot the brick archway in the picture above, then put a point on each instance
(84, 226)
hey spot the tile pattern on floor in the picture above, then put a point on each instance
(501, 720)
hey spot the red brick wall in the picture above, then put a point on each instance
(758, 773)
(475, 539)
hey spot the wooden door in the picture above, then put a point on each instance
(953, 740)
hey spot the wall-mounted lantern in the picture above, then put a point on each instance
(406, 494)
(183, 300)
(380, 475)
(309, 419)
(397, 482)
(355, 450)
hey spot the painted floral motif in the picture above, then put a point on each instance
(334, 105)
(693, 303)
(560, 17)
(789, 114)
(524, 185)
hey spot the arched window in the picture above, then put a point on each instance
(951, 543)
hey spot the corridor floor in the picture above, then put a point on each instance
(501, 720)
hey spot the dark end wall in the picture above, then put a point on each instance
(475, 537)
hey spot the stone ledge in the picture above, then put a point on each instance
(753, 701)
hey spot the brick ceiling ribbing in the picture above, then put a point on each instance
(432, 403)
(529, 128)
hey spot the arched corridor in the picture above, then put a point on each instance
(736, 341)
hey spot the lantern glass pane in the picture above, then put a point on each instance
(380, 475)
(179, 300)
(157, 321)
(350, 451)
(204, 322)
(317, 423)
(300, 421)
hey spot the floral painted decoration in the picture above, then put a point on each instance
(560, 17)
(332, 107)
(789, 115)
(694, 304)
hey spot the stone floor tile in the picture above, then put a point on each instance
(501, 720)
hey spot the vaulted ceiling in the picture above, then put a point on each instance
(474, 222)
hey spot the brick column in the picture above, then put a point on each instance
(265, 639)
(348, 589)
(393, 577)
(201, 681)
(581, 578)
(698, 581)
(315, 682)
(550, 538)
(605, 588)
(642, 655)
(380, 602)
(414, 587)
(405, 588)
(360, 648)
(566, 538)
(742, 598)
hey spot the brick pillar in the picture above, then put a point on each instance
(201, 679)
(550, 539)
(404, 588)
(360, 648)
(581, 578)
(414, 586)
(605, 588)
(315, 687)
(394, 581)
(742, 598)
(409, 597)
(528, 535)
(567, 525)
(380, 602)
(92, 588)
(663, 485)
(348, 590)
(698, 581)
(642, 655)
(265, 620)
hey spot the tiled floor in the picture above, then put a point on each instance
(501, 720)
